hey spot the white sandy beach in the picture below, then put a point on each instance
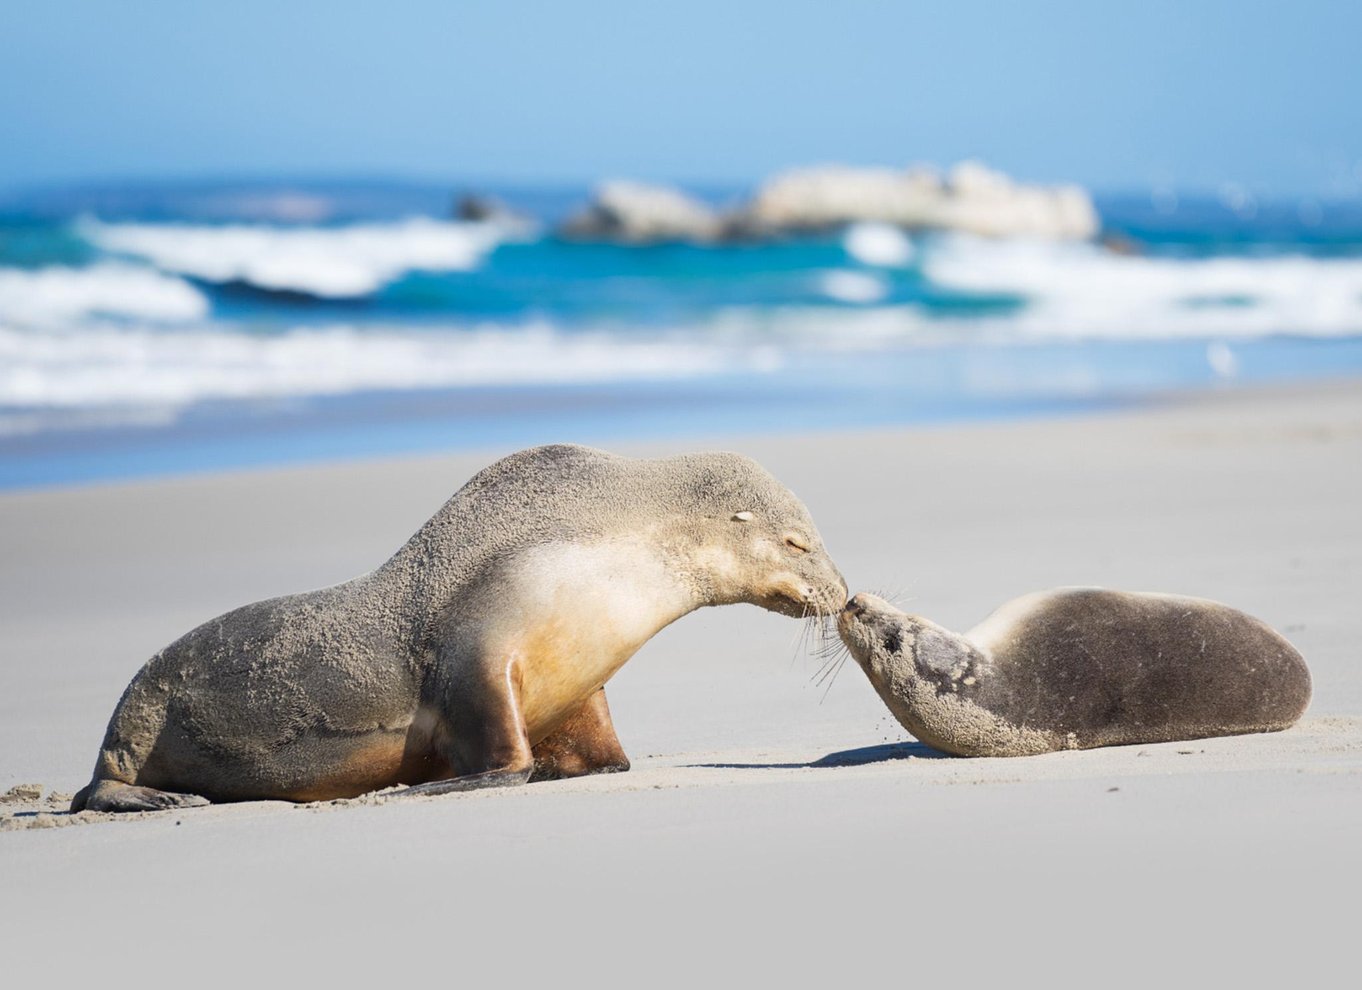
(767, 834)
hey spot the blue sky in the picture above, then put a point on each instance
(1115, 95)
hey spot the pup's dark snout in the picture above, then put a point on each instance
(855, 605)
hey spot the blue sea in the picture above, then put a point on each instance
(161, 329)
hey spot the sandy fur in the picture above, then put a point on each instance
(1079, 668)
(506, 611)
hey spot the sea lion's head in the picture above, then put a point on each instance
(745, 537)
(894, 648)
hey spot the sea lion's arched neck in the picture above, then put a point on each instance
(435, 566)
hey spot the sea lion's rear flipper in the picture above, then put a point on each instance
(468, 782)
(585, 744)
(114, 795)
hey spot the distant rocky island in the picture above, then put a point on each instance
(970, 198)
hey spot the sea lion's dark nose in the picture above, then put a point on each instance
(855, 606)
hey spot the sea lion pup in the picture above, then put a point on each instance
(477, 655)
(1078, 668)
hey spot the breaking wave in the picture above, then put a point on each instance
(145, 324)
(853, 287)
(327, 262)
(1086, 291)
(58, 295)
(104, 366)
(878, 244)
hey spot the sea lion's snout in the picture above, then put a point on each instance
(808, 583)
(870, 627)
(801, 596)
(834, 586)
(860, 608)
(851, 622)
(850, 616)
(828, 587)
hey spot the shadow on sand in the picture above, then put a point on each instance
(844, 758)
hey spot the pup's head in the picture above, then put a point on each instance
(892, 645)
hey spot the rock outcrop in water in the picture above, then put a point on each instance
(971, 198)
(477, 208)
(636, 213)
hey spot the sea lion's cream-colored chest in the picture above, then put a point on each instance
(582, 612)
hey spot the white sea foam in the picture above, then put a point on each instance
(58, 296)
(330, 262)
(878, 244)
(847, 286)
(109, 366)
(1082, 291)
(118, 336)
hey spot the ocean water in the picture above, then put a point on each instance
(162, 329)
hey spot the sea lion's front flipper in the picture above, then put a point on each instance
(482, 733)
(585, 744)
(114, 795)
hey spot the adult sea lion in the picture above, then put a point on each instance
(477, 655)
(1078, 668)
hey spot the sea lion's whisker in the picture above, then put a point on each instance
(833, 680)
(801, 639)
(828, 650)
(899, 595)
(833, 664)
(830, 653)
(816, 635)
(823, 669)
